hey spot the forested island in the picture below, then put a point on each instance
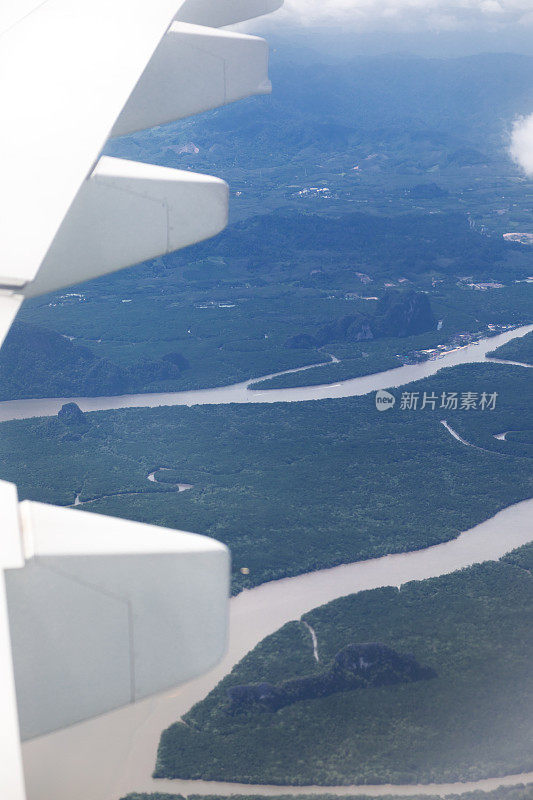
(364, 230)
(292, 487)
(471, 720)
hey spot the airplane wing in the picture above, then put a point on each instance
(131, 610)
(66, 70)
(97, 612)
(71, 74)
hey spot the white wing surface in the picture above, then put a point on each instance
(11, 557)
(195, 69)
(71, 73)
(97, 612)
(10, 303)
(127, 212)
(66, 70)
(105, 612)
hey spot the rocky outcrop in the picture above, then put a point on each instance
(351, 328)
(403, 314)
(104, 376)
(70, 414)
(357, 666)
(398, 314)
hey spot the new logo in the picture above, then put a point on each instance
(384, 400)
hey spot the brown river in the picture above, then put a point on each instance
(107, 757)
(242, 393)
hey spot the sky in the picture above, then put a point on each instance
(441, 15)
(424, 27)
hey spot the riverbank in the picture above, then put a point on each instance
(243, 393)
(106, 758)
(210, 788)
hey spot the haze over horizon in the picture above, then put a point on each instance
(409, 15)
(340, 29)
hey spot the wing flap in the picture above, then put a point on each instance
(107, 611)
(127, 212)
(60, 105)
(195, 69)
(66, 71)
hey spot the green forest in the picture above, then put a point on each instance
(471, 721)
(343, 195)
(517, 350)
(349, 482)
(169, 327)
(173, 327)
(412, 201)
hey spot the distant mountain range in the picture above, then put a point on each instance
(460, 108)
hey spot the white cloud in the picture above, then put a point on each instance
(522, 143)
(410, 14)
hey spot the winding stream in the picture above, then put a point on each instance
(180, 487)
(314, 640)
(107, 757)
(172, 487)
(243, 393)
(456, 436)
